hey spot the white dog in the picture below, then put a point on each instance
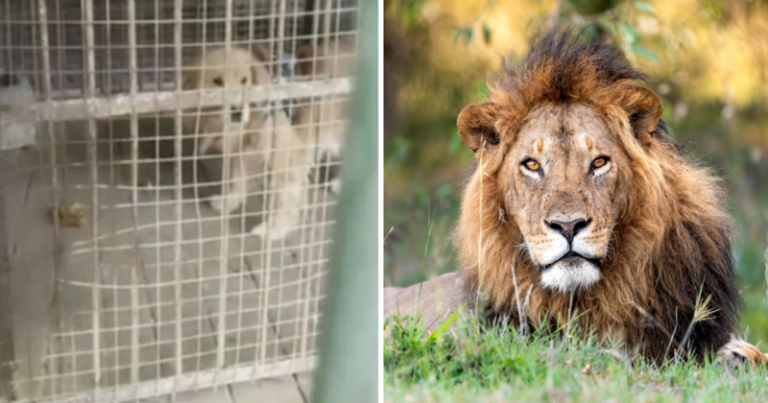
(257, 141)
(323, 122)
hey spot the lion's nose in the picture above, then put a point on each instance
(569, 229)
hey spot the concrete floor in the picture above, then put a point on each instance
(286, 389)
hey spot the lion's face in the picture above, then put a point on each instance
(560, 186)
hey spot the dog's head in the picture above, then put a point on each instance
(233, 69)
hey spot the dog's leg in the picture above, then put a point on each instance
(289, 168)
(235, 184)
(232, 199)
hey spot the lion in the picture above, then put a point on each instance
(581, 206)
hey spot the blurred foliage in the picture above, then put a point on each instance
(707, 60)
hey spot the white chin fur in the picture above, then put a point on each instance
(570, 276)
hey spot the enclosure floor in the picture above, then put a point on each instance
(284, 389)
(140, 292)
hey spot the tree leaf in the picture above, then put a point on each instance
(411, 12)
(629, 33)
(456, 35)
(606, 23)
(646, 53)
(468, 35)
(645, 7)
(465, 32)
(486, 34)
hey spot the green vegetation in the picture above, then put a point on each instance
(500, 365)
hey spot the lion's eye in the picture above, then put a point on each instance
(243, 81)
(599, 162)
(532, 165)
(218, 81)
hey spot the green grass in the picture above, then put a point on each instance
(499, 365)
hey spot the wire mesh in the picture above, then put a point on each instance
(167, 222)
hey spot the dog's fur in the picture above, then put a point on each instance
(261, 141)
(651, 232)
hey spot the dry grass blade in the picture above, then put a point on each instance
(480, 238)
(387, 235)
(702, 313)
(517, 297)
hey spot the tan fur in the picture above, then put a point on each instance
(655, 232)
(261, 141)
(439, 299)
(218, 68)
(738, 351)
(611, 301)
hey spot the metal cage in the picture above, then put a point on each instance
(120, 281)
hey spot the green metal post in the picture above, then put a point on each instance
(348, 370)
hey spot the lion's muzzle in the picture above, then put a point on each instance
(569, 261)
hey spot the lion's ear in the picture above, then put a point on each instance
(477, 125)
(644, 109)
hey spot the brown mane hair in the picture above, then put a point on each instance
(671, 239)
